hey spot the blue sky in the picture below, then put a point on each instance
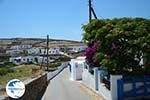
(61, 19)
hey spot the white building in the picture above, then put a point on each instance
(43, 51)
(29, 59)
(50, 52)
(34, 51)
(76, 48)
(76, 68)
(13, 52)
(21, 46)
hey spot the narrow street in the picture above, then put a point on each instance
(63, 88)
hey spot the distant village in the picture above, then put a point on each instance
(34, 51)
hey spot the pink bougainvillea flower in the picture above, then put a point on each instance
(94, 59)
(90, 51)
(97, 43)
(114, 47)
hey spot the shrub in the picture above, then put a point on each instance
(9, 64)
(4, 71)
(123, 42)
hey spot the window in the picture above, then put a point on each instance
(27, 59)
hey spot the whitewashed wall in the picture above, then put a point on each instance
(76, 68)
(102, 90)
(113, 86)
(95, 81)
(89, 79)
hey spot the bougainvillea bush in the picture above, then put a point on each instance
(118, 44)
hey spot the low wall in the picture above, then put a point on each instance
(102, 90)
(134, 88)
(89, 79)
(95, 83)
(51, 75)
(34, 89)
(108, 94)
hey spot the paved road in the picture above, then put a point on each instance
(62, 88)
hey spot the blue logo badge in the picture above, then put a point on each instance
(15, 88)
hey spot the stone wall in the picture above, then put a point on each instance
(34, 89)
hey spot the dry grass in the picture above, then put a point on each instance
(22, 72)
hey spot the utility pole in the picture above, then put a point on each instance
(94, 14)
(91, 11)
(47, 49)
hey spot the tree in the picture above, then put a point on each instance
(120, 44)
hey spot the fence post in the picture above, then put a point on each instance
(134, 86)
(96, 78)
(120, 89)
(145, 87)
(101, 74)
(114, 86)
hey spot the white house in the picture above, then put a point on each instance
(76, 48)
(21, 46)
(33, 51)
(41, 59)
(29, 59)
(51, 51)
(43, 51)
(13, 52)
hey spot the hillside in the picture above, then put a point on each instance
(39, 42)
